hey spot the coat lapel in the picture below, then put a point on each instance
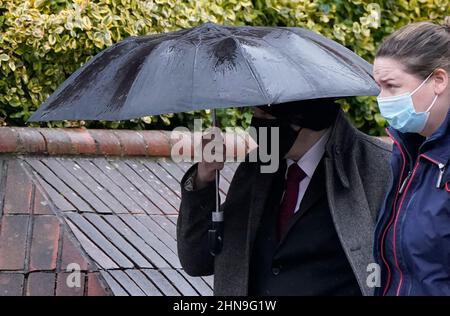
(266, 185)
(348, 204)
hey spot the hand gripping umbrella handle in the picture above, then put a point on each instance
(215, 234)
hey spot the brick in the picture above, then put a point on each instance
(163, 284)
(82, 141)
(184, 165)
(92, 250)
(115, 287)
(63, 190)
(152, 226)
(198, 283)
(13, 238)
(31, 141)
(41, 205)
(104, 142)
(166, 224)
(117, 240)
(183, 140)
(107, 142)
(173, 219)
(95, 287)
(8, 140)
(41, 284)
(140, 233)
(209, 279)
(143, 282)
(167, 178)
(116, 189)
(179, 281)
(44, 244)
(132, 143)
(79, 187)
(126, 282)
(58, 143)
(171, 167)
(126, 185)
(3, 164)
(157, 143)
(144, 187)
(57, 198)
(11, 284)
(18, 189)
(71, 253)
(70, 283)
(100, 240)
(150, 252)
(164, 197)
(96, 187)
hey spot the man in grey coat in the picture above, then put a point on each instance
(306, 229)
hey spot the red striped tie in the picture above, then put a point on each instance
(294, 176)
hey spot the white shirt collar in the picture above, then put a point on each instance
(310, 160)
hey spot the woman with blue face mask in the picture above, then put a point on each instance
(412, 237)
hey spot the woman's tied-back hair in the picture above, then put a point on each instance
(421, 47)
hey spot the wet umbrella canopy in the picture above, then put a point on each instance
(209, 66)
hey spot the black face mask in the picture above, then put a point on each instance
(316, 114)
(287, 134)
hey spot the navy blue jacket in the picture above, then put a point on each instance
(412, 236)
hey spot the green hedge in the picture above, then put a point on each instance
(43, 41)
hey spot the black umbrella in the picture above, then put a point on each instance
(209, 66)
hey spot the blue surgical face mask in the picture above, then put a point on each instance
(400, 113)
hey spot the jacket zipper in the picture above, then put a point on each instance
(402, 188)
(383, 236)
(407, 182)
(441, 175)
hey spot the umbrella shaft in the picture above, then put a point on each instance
(217, 191)
(214, 123)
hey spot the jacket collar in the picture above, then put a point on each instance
(437, 146)
(342, 137)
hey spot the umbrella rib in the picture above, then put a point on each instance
(157, 46)
(358, 63)
(317, 43)
(291, 59)
(61, 89)
(193, 66)
(247, 62)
